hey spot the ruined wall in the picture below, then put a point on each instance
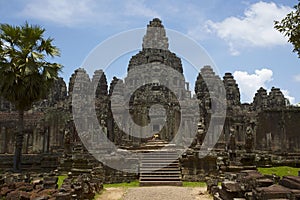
(44, 123)
(278, 130)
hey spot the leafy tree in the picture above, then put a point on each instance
(25, 73)
(290, 27)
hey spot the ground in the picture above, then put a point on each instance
(155, 193)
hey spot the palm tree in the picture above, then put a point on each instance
(25, 73)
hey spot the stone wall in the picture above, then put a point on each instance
(32, 162)
(195, 169)
(278, 130)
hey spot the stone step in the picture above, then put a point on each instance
(161, 153)
(160, 172)
(162, 157)
(162, 179)
(163, 164)
(162, 175)
(160, 168)
(153, 169)
(160, 183)
(160, 160)
(163, 160)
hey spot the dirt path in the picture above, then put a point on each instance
(155, 193)
(113, 193)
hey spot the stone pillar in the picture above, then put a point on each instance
(10, 135)
(3, 140)
(46, 140)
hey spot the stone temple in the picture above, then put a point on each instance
(264, 132)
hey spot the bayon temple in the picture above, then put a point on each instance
(263, 132)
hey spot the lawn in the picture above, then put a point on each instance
(280, 171)
(194, 184)
(61, 179)
(131, 184)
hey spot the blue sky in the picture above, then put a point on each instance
(238, 35)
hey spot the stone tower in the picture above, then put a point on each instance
(260, 100)
(232, 90)
(151, 74)
(155, 48)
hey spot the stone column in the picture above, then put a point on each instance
(3, 140)
(46, 140)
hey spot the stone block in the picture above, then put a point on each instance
(20, 195)
(272, 192)
(231, 186)
(40, 198)
(62, 196)
(264, 182)
(292, 182)
(50, 182)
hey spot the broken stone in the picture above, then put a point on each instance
(292, 182)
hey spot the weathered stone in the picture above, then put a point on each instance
(231, 186)
(272, 192)
(50, 182)
(264, 182)
(292, 182)
(18, 195)
(40, 198)
(210, 184)
(5, 190)
(62, 196)
(27, 187)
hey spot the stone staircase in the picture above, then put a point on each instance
(159, 167)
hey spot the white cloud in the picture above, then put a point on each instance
(254, 29)
(286, 94)
(250, 83)
(138, 8)
(297, 77)
(74, 13)
(62, 12)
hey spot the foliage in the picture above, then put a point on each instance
(290, 27)
(194, 184)
(25, 73)
(126, 185)
(280, 171)
(61, 179)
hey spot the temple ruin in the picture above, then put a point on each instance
(260, 133)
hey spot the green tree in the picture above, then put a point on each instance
(25, 73)
(290, 27)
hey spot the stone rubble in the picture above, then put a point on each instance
(251, 185)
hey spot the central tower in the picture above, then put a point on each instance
(155, 76)
(155, 48)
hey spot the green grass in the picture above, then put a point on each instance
(126, 185)
(194, 184)
(61, 179)
(280, 171)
